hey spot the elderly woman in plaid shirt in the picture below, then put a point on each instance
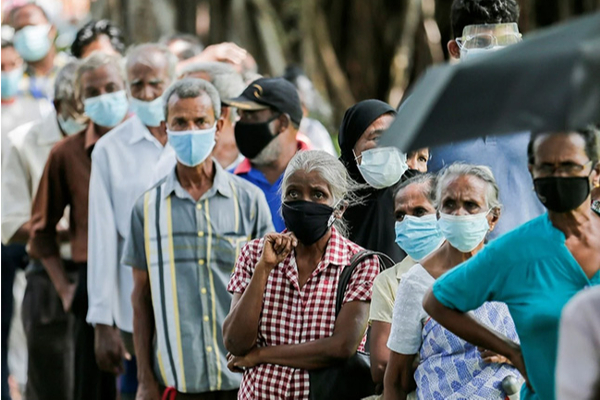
(282, 320)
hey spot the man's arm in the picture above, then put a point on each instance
(143, 333)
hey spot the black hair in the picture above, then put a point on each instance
(292, 73)
(590, 134)
(427, 178)
(7, 43)
(90, 33)
(476, 12)
(15, 10)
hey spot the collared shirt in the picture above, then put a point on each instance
(189, 249)
(534, 273)
(19, 111)
(507, 158)
(65, 182)
(292, 314)
(28, 150)
(384, 291)
(42, 87)
(271, 191)
(123, 164)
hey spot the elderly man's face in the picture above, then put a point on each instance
(102, 80)
(148, 76)
(194, 113)
(368, 140)
(412, 200)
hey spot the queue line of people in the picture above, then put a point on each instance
(184, 234)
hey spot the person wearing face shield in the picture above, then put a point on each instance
(282, 322)
(270, 113)
(186, 232)
(480, 27)
(537, 268)
(123, 167)
(418, 234)
(371, 223)
(100, 86)
(468, 208)
(34, 41)
(50, 358)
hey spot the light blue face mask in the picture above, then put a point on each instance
(419, 236)
(70, 126)
(108, 109)
(194, 146)
(464, 232)
(10, 83)
(151, 113)
(32, 42)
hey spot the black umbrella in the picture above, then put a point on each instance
(548, 82)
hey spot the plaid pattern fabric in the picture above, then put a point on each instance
(293, 315)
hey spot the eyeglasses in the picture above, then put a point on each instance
(487, 40)
(567, 168)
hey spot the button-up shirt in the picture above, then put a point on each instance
(271, 190)
(27, 151)
(122, 170)
(65, 182)
(19, 111)
(292, 314)
(189, 249)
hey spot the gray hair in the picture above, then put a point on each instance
(333, 172)
(430, 191)
(94, 61)
(191, 88)
(480, 171)
(141, 52)
(64, 88)
(224, 77)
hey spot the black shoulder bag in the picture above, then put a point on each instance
(351, 379)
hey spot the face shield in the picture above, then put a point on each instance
(488, 36)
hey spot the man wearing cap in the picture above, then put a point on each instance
(270, 114)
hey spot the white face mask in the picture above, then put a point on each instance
(464, 232)
(467, 54)
(382, 167)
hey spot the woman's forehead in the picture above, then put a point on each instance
(463, 185)
(302, 178)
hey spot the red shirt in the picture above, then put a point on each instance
(293, 315)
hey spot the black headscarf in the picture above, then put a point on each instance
(372, 223)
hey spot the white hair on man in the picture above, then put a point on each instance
(142, 53)
(94, 61)
(188, 88)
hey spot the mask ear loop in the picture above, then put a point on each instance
(332, 218)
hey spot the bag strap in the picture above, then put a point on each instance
(385, 262)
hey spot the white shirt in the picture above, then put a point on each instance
(578, 361)
(25, 155)
(21, 111)
(123, 167)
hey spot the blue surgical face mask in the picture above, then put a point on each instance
(464, 232)
(151, 113)
(419, 236)
(192, 147)
(32, 42)
(381, 167)
(70, 126)
(108, 109)
(10, 83)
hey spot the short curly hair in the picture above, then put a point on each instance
(90, 32)
(476, 12)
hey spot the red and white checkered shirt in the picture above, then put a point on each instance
(293, 315)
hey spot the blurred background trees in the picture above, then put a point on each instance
(351, 49)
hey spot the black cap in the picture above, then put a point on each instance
(263, 93)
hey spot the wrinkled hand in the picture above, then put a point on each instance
(490, 357)
(276, 249)
(109, 349)
(239, 364)
(67, 294)
(148, 391)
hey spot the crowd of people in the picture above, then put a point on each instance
(187, 230)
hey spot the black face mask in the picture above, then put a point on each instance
(252, 138)
(307, 220)
(561, 194)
